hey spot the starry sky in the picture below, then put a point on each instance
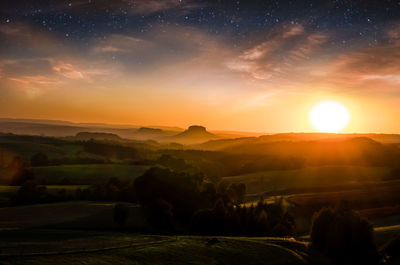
(229, 65)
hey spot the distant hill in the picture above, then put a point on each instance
(145, 133)
(57, 128)
(346, 149)
(149, 130)
(221, 144)
(85, 136)
(194, 134)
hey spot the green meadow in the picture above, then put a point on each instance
(87, 174)
(309, 177)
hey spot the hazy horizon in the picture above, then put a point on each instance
(183, 127)
(228, 65)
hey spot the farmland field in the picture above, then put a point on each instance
(6, 192)
(86, 174)
(308, 177)
(76, 214)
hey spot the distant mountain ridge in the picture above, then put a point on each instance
(84, 136)
(194, 134)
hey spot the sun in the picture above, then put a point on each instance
(329, 116)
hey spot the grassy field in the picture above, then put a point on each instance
(84, 233)
(382, 194)
(76, 214)
(26, 149)
(6, 192)
(136, 249)
(308, 177)
(87, 174)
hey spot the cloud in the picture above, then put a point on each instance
(69, 71)
(118, 43)
(133, 7)
(44, 74)
(163, 47)
(393, 33)
(372, 68)
(153, 6)
(284, 49)
(22, 41)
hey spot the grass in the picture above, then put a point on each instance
(378, 195)
(87, 174)
(385, 233)
(6, 192)
(170, 250)
(73, 214)
(308, 177)
(26, 149)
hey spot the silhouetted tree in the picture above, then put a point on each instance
(344, 236)
(237, 192)
(39, 159)
(159, 214)
(121, 213)
(30, 193)
(181, 190)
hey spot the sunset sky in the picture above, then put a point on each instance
(228, 65)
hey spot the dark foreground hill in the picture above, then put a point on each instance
(95, 247)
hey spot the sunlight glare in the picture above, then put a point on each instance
(329, 116)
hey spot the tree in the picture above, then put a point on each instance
(159, 214)
(344, 236)
(30, 193)
(121, 213)
(39, 160)
(181, 190)
(237, 192)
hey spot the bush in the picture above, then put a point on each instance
(344, 236)
(121, 213)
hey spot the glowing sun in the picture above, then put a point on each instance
(329, 116)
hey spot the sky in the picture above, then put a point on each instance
(228, 65)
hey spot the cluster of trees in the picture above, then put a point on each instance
(344, 236)
(32, 193)
(178, 201)
(174, 163)
(112, 151)
(175, 200)
(261, 220)
(245, 164)
(216, 165)
(40, 160)
(113, 190)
